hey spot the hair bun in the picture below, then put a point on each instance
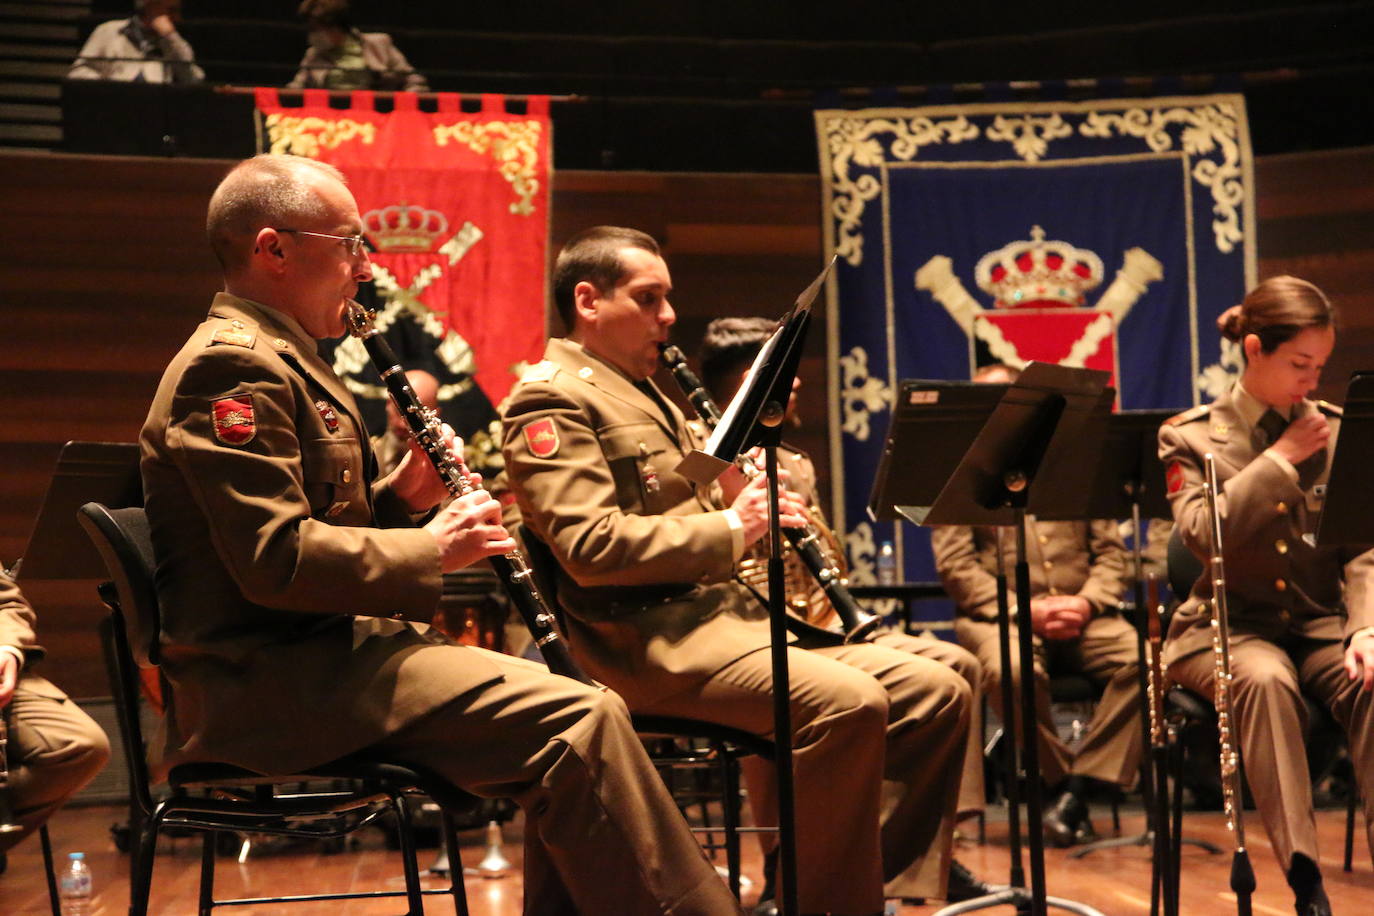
(1231, 323)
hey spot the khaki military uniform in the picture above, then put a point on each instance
(645, 563)
(279, 558)
(972, 794)
(54, 748)
(1065, 558)
(1289, 616)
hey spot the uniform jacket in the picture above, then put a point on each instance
(270, 535)
(123, 50)
(17, 624)
(388, 66)
(1066, 558)
(1278, 583)
(644, 554)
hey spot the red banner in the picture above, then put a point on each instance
(456, 206)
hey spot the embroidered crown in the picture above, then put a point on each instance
(1037, 271)
(404, 228)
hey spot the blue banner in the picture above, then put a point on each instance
(1107, 234)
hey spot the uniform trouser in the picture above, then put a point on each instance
(602, 835)
(878, 737)
(972, 793)
(1105, 653)
(1271, 720)
(54, 749)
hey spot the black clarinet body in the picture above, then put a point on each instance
(857, 623)
(513, 569)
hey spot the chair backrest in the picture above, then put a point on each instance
(130, 632)
(1184, 568)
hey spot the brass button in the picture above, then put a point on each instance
(1281, 584)
(1281, 545)
(346, 476)
(584, 372)
(1049, 564)
(1282, 507)
(1284, 616)
(236, 323)
(1044, 538)
(279, 343)
(643, 449)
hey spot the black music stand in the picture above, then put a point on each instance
(105, 472)
(1348, 507)
(1044, 433)
(754, 417)
(1130, 482)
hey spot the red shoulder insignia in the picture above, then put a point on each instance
(1173, 476)
(233, 419)
(1189, 415)
(542, 438)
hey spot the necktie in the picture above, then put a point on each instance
(1272, 425)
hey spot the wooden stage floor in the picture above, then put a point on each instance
(1114, 881)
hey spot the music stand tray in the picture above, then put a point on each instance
(105, 472)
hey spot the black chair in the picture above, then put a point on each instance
(219, 797)
(686, 742)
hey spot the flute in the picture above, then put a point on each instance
(1242, 874)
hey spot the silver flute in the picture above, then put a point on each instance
(1242, 874)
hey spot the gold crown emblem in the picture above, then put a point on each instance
(404, 228)
(1036, 271)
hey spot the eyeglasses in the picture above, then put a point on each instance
(354, 243)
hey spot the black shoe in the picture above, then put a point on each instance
(964, 884)
(1066, 823)
(1306, 881)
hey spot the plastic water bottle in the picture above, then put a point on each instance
(75, 886)
(887, 564)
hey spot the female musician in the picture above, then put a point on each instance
(1292, 629)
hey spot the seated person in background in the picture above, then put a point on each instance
(54, 748)
(282, 559)
(144, 48)
(1078, 572)
(341, 57)
(646, 559)
(391, 446)
(727, 351)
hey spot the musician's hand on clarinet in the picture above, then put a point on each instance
(751, 505)
(733, 480)
(1359, 659)
(1303, 438)
(469, 529)
(9, 676)
(415, 479)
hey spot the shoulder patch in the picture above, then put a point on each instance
(542, 438)
(1331, 410)
(235, 337)
(1189, 415)
(542, 371)
(233, 419)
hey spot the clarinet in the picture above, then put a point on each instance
(1242, 874)
(513, 569)
(858, 624)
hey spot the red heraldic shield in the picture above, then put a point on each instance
(455, 204)
(542, 438)
(233, 420)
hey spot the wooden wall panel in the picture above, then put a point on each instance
(107, 271)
